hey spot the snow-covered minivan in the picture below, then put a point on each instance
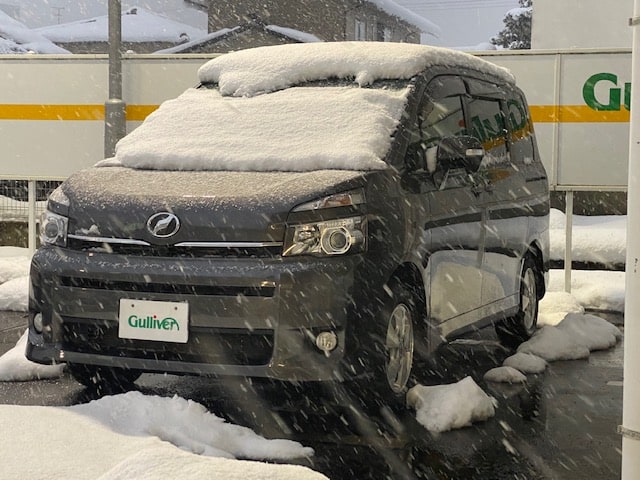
(309, 212)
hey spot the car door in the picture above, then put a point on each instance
(506, 223)
(454, 223)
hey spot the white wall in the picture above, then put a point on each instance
(561, 24)
(577, 99)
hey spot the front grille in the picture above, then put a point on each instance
(185, 250)
(205, 345)
(212, 290)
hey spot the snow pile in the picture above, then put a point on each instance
(441, 408)
(15, 37)
(186, 424)
(575, 337)
(526, 363)
(14, 263)
(505, 374)
(15, 210)
(14, 278)
(600, 239)
(165, 461)
(595, 289)
(284, 131)
(104, 452)
(266, 69)
(555, 305)
(14, 366)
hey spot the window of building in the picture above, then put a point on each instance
(361, 30)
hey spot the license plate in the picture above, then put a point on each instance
(152, 320)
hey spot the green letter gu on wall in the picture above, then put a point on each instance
(614, 100)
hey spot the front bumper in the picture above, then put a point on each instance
(247, 316)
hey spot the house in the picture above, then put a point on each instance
(15, 37)
(142, 32)
(329, 20)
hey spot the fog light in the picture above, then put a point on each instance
(326, 341)
(38, 324)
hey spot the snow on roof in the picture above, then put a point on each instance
(138, 25)
(298, 35)
(295, 35)
(239, 127)
(265, 69)
(15, 37)
(210, 37)
(407, 15)
(297, 129)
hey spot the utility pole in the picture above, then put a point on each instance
(115, 126)
(630, 428)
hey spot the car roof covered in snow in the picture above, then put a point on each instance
(259, 109)
(266, 69)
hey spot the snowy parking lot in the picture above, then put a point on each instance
(139, 432)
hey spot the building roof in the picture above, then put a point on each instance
(393, 8)
(289, 34)
(15, 37)
(138, 25)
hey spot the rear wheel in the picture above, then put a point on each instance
(514, 330)
(108, 379)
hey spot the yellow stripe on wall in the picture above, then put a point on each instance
(576, 114)
(137, 113)
(68, 112)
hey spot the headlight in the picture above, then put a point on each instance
(334, 237)
(53, 229)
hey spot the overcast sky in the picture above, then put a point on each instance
(463, 22)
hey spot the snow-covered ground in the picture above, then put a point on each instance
(136, 436)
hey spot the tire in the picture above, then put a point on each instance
(514, 330)
(396, 346)
(105, 379)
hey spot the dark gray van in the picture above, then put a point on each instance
(309, 212)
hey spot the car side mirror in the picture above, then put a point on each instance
(463, 151)
(415, 157)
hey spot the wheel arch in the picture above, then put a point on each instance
(409, 275)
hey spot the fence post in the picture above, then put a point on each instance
(568, 255)
(31, 184)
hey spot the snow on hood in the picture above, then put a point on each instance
(298, 129)
(266, 69)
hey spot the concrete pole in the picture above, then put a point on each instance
(630, 428)
(115, 126)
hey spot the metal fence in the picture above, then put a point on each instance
(21, 203)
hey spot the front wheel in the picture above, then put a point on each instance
(521, 327)
(395, 351)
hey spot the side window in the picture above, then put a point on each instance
(442, 115)
(487, 124)
(520, 130)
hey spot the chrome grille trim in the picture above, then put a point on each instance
(133, 241)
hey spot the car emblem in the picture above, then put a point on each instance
(163, 224)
